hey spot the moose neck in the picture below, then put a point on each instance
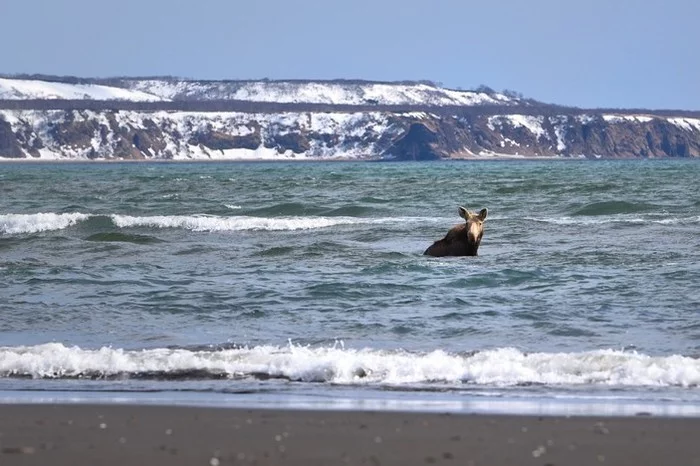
(472, 248)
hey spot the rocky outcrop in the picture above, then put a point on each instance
(394, 135)
(568, 136)
(421, 141)
(218, 140)
(634, 137)
(9, 144)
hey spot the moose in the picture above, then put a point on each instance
(462, 239)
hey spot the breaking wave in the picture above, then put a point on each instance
(620, 219)
(337, 365)
(13, 224)
(238, 223)
(34, 223)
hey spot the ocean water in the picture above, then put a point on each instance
(304, 285)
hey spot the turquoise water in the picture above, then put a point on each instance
(308, 280)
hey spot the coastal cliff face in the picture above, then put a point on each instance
(565, 136)
(173, 120)
(87, 134)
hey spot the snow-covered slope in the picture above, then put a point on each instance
(16, 89)
(321, 92)
(318, 92)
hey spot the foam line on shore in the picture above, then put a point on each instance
(338, 365)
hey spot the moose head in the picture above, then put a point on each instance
(462, 239)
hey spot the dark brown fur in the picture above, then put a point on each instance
(462, 239)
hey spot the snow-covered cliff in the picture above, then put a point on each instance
(101, 119)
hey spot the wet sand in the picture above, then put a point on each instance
(166, 435)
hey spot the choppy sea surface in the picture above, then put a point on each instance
(304, 285)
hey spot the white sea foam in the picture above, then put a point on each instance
(498, 367)
(241, 223)
(619, 218)
(33, 223)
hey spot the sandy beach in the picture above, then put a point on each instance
(165, 435)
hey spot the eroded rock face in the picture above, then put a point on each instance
(218, 140)
(9, 145)
(597, 136)
(126, 134)
(297, 142)
(652, 137)
(421, 141)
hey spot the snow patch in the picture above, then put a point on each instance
(17, 89)
(529, 122)
(585, 119)
(560, 125)
(688, 124)
(627, 118)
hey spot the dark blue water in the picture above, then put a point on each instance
(309, 278)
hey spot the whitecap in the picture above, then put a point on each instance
(33, 223)
(243, 223)
(630, 219)
(500, 367)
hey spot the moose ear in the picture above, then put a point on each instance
(482, 214)
(464, 213)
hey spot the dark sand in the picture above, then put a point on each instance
(163, 435)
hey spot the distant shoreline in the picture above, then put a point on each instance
(172, 117)
(498, 158)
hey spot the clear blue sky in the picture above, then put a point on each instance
(590, 53)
